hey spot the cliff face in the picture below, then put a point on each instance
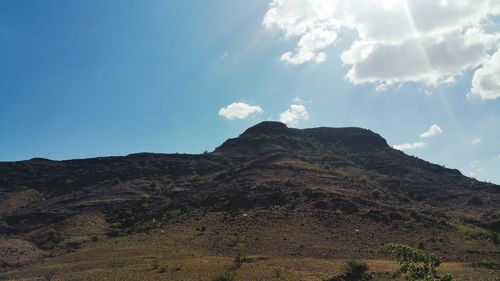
(348, 172)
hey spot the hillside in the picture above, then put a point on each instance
(295, 198)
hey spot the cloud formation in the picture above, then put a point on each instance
(407, 146)
(293, 115)
(239, 110)
(486, 80)
(398, 41)
(476, 141)
(475, 168)
(433, 130)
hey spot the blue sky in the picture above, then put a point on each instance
(92, 78)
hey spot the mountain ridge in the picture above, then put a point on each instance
(339, 177)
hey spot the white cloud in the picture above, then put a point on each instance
(408, 146)
(293, 115)
(308, 46)
(486, 80)
(239, 110)
(433, 130)
(476, 141)
(397, 41)
(475, 168)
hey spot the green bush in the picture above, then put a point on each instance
(415, 264)
(355, 270)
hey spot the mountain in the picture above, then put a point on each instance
(322, 193)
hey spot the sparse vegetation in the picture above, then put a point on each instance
(490, 264)
(278, 272)
(195, 177)
(227, 275)
(475, 201)
(476, 232)
(174, 213)
(241, 253)
(155, 264)
(414, 264)
(49, 274)
(355, 271)
(291, 207)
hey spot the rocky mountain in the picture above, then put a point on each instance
(344, 188)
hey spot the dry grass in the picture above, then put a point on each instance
(181, 252)
(17, 200)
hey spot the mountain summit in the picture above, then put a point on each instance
(320, 184)
(270, 135)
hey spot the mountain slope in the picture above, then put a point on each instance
(330, 188)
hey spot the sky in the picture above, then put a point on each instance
(91, 78)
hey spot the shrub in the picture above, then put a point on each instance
(490, 264)
(241, 253)
(475, 201)
(48, 275)
(162, 269)
(174, 213)
(415, 264)
(155, 264)
(195, 177)
(224, 276)
(355, 270)
(277, 272)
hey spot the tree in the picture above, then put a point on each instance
(415, 264)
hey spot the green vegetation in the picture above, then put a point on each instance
(161, 186)
(490, 264)
(240, 250)
(195, 177)
(167, 202)
(224, 276)
(155, 264)
(414, 264)
(174, 213)
(476, 232)
(241, 253)
(355, 270)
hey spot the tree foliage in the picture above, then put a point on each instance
(415, 264)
